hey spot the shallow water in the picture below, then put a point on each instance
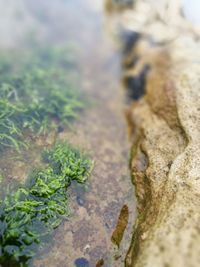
(85, 238)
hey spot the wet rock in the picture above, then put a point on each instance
(82, 232)
(109, 215)
(99, 256)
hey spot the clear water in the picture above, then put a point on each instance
(85, 238)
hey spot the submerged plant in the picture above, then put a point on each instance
(36, 94)
(29, 215)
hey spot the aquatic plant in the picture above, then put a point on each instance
(29, 215)
(36, 93)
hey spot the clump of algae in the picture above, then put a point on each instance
(37, 92)
(31, 213)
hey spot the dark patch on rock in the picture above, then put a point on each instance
(80, 201)
(60, 129)
(130, 39)
(82, 262)
(136, 84)
(79, 193)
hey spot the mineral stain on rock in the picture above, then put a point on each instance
(121, 226)
(100, 263)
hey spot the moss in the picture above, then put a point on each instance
(37, 92)
(31, 213)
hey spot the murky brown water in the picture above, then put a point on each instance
(101, 130)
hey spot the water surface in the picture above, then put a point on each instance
(85, 238)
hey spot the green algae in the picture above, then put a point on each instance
(37, 93)
(31, 213)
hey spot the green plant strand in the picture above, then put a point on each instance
(29, 215)
(36, 93)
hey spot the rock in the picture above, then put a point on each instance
(191, 10)
(117, 5)
(165, 123)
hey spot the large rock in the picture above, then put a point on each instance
(165, 120)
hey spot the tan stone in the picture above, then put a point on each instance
(166, 138)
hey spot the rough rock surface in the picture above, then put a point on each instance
(165, 123)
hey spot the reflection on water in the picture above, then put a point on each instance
(84, 239)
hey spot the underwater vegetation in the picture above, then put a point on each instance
(30, 214)
(37, 92)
